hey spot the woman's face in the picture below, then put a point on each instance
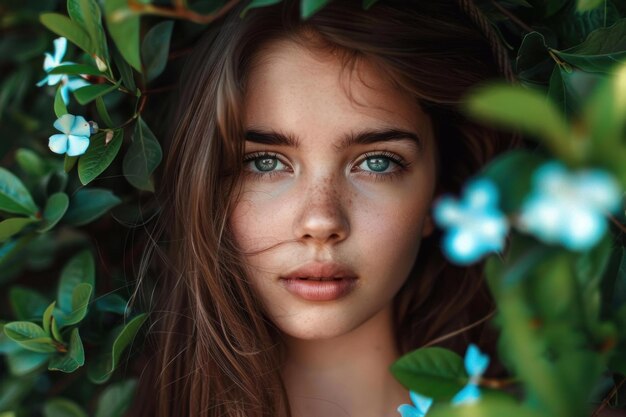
(335, 196)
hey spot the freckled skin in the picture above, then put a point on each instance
(323, 206)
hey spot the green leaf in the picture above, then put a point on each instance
(586, 5)
(30, 162)
(63, 26)
(368, 3)
(59, 105)
(14, 390)
(73, 359)
(603, 48)
(7, 345)
(486, 407)
(14, 197)
(116, 399)
(434, 372)
(88, 204)
(103, 112)
(13, 226)
(87, 14)
(69, 162)
(309, 7)
(123, 26)
(520, 108)
(55, 209)
(47, 318)
(533, 63)
(99, 155)
(87, 94)
(80, 269)
(80, 304)
(142, 157)
(76, 69)
(257, 3)
(56, 332)
(155, 49)
(24, 361)
(62, 407)
(101, 370)
(112, 303)
(126, 71)
(30, 336)
(27, 304)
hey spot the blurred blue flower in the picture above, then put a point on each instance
(476, 364)
(52, 61)
(74, 139)
(419, 408)
(569, 208)
(475, 225)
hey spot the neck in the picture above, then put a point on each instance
(347, 375)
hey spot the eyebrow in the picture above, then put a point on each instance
(364, 137)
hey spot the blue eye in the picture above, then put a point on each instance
(263, 163)
(380, 163)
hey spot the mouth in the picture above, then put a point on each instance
(320, 281)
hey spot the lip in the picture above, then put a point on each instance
(320, 281)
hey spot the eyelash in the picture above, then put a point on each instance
(401, 164)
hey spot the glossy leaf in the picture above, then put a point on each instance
(142, 158)
(60, 108)
(103, 113)
(69, 162)
(126, 71)
(87, 14)
(47, 317)
(116, 399)
(63, 26)
(89, 93)
(24, 361)
(99, 155)
(80, 304)
(309, 7)
(62, 407)
(78, 270)
(14, 197)
(600, 51)
(112, 303)
(585, 5)
(123, 26)
(155, 49)
(486, 407)
(30, 162)
(118, 341)
(30, 336)
(76, 69)
(434, 372)
(14, 225)
(55, 209)
(27, 304)
(73, 359)
(89, 204)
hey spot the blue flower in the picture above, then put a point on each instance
(52, 61)
(419, 408)
(74, 139)
(475, 365)
(569, 208)
(475, 225)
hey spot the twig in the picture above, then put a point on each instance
(512, 17)
(180, 11)
(617, 223)
(608, 398)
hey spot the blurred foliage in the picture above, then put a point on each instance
(71, 227)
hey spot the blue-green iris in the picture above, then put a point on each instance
(378, 164)
(265, 164)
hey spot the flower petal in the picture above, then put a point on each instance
(60, 47)
(77, 145)
(406, 410)
(74, 83)
(462, 246)
(421, 402)
(80, 127)
(468, 395)
(58, 143)
(64, 123)
(476, 362)
(481, 193)
(583, 230)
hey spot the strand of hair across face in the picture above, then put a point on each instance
(461, 330)
(499, 52)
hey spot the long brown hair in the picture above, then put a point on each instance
(213, 351)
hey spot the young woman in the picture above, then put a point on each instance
(301, 258)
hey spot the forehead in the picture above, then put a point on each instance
(291, 86)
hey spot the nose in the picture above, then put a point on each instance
(322, 217)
